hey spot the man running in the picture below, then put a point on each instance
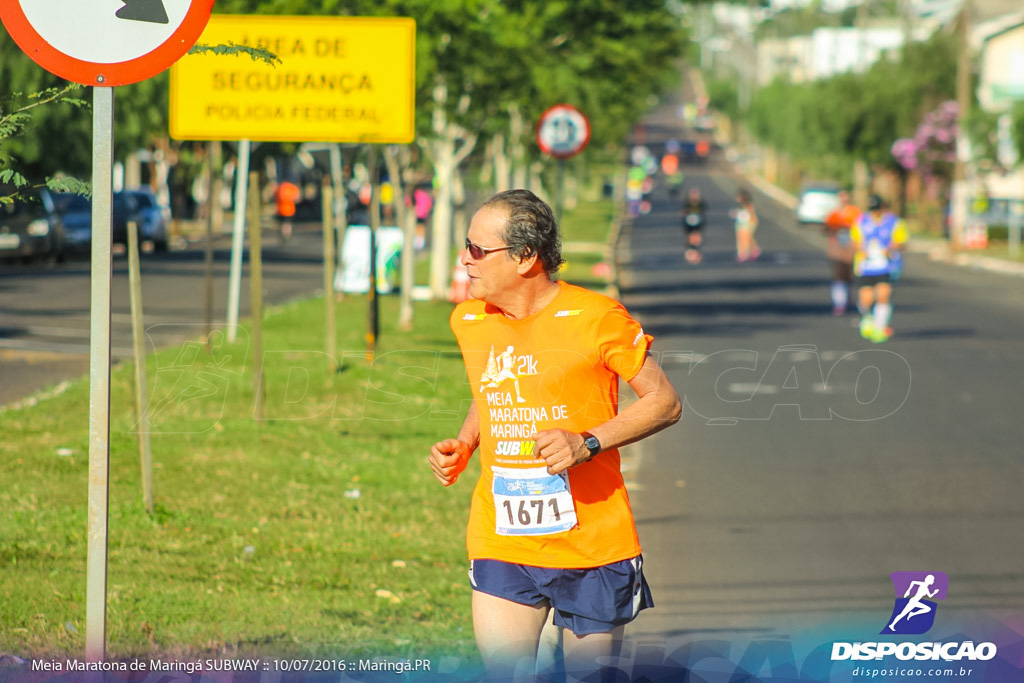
(286, 196)
(877, 236)
(694, 210)
(840, 251)
(550, 526)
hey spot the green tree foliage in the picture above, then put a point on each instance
(608, 62)
(857, 116)
(1017, 128)
(723, 96)
(49, 140)
(16, 116)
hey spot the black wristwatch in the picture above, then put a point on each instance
(592, 444)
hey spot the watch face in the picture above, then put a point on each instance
(593, 444)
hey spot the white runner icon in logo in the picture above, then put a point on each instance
(915, 606)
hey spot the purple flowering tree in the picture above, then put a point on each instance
(932, 150)
(931, 154)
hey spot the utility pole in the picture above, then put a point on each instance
(908, 22)
(862, 39)
(861, 171)
(959, 190)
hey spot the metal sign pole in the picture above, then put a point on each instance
(340, 207)
(330, 267)
(238, 238)
(1013, 238)
(560, 191)
(374, 302)
(99, 374)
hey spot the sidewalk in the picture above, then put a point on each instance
(935, 248)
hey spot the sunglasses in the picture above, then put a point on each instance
(478, 252)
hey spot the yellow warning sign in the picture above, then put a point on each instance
(341, 79)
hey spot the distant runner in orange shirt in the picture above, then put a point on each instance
(285, 197)
(550, 525)
(840, 251)
(670, 169)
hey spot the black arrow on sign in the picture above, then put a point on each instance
(143, 10)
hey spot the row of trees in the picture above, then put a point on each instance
(899, 116)
(851, 117)
(485, 71)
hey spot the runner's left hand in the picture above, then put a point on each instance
(560, 449)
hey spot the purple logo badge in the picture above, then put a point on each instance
(916, 593)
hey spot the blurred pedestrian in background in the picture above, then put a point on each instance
(745, 218)
(286, 196)
(694, 211)
(673, 175)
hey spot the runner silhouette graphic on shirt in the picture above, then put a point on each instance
(499, 369)
(915, 606)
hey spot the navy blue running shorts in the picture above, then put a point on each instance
(872, 280)
(585, 601)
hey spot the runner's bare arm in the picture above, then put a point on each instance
(449, 458)
(657, 407)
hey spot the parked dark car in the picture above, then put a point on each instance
(76, 212)
(31, 228)
(77, 216)
(125, 209)
(153, 219)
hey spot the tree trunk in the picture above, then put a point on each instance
(502, 164)
(441, 222)
(536, 182)
(459, 202)
(571, 196)
(450, 144)
(487, 167)
(216, 209)
(397, 162)
(520, 168)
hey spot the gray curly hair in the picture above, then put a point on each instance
(530, 227)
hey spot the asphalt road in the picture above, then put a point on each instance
(809, 463)
(44, 311)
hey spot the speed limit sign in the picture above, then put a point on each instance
(563, 131)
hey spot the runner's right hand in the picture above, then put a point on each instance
(448, 458)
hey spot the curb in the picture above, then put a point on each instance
(940, 252)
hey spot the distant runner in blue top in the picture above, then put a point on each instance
(878, 236)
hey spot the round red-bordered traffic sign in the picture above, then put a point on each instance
(563, 131)
(105, 47)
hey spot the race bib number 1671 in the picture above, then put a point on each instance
(531, 502)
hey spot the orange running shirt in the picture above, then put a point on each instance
(287, 194)
(843, 217)
(559, 368)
